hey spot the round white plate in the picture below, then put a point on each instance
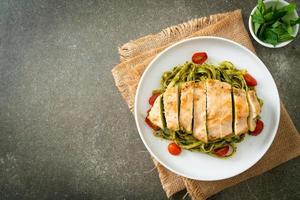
(200, 166)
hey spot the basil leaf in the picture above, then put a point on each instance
(289, 8)
(257, 12)
(261, 6)
(271, 37)
(279, 14)
(279, 30)
(256, 27)
(276, 24)
(290, 29)
(261, 31)
(269, 16)
(258, 19)
(275, 6)
(285, 37)
(293, 22)
(269, 9)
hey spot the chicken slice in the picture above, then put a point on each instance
(155, 114)
(254, 108)
(241, 111)
(199, 129)
(219, 109)
(213, 114)
(225, 99)
(171, 102)
(186, 106)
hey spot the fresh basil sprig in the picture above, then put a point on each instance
(269, 24)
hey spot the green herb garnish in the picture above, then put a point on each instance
(270, 24)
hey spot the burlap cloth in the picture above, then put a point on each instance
(135, 57)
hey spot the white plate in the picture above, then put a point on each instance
(200, 166)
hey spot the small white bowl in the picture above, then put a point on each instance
(269, 3)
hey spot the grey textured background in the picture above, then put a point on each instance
(66, 133)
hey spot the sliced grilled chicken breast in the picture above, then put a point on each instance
(186, 106)
(219, 109)
(155, 114)
(241, 111)
(254, 108)
(225, 99)
(199, 129)
(213, 114)
(171, 102)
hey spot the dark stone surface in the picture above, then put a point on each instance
(66, 133)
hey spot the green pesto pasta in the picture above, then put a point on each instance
(225, 72)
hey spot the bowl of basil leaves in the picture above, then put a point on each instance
(274, 23)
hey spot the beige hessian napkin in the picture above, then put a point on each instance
(135, 57)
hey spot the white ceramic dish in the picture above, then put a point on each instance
(293, 15)
(200, 166)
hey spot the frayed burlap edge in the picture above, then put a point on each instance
(169, 35)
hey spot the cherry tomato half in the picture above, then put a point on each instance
(259, 127)
(151, 125)
(153, 98)
(199, 57)
(174, 149)
(222, 151)
(250, 80)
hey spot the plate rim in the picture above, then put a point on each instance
(138, 93)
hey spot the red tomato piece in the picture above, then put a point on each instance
(250, 80)
(259, 127)
(222, 151)
(153, 98)
(199, 57)
(151, 125)
(174, 149)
